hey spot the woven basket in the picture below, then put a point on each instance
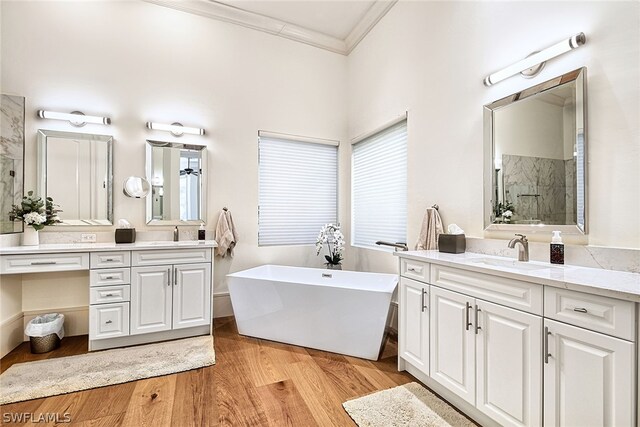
(44, 344)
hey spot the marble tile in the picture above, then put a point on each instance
(536, 187)
(11, 158)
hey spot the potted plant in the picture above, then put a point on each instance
(331, 235)
(36, 214)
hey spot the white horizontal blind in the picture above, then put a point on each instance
(298, 191)
(379, 187)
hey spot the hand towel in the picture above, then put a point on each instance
(226, 236)
(431, 228)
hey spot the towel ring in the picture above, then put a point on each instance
(435, 206)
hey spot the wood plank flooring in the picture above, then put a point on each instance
(253, 383)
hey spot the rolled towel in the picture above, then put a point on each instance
(431, 228)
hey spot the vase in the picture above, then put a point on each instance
(30, 236)
(334, 266)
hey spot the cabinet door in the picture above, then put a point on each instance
(191, 295)
(588, 378)
(452, 338)
(151, 295)
(509, 365)
(413, 327)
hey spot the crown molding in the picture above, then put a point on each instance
(375, 13)
(226, 13)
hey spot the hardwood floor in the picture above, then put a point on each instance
(253, 383)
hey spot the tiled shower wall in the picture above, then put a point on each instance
(539, 188)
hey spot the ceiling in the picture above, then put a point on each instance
(333, 18)
(334, 25)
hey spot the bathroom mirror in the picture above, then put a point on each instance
(535, 158)
(177, 176)
(75, 169)
(136, 187)
(11, 160)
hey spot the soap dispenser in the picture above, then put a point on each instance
(201, 232)
(556, 253)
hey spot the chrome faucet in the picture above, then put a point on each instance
(399, 245)
(523, 250)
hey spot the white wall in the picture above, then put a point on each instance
(531, 128)
(134, 62)
(430, 58)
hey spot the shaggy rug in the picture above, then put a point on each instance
(43, 378)
(405, 405)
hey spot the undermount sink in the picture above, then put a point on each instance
(507, 263)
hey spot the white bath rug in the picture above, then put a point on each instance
(407, 405)
(43, 378)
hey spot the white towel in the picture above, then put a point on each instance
(226, 236)
(431, 229)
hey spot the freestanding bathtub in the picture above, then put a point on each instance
(339, 311)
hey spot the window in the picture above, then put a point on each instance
(379, 187)
(298, 190)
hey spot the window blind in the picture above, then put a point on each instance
(379, 187)
(298, 190)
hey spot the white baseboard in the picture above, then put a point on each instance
(222, 305)
(11, 333)
(76, 319)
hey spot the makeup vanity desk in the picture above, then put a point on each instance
(138, 293)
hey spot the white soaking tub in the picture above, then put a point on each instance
(339, 311)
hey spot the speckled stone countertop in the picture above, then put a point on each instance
(611, 283)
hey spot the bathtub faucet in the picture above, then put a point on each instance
(397, 245)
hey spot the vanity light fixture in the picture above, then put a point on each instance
(176, 128)
(533, 64)
(76, 118)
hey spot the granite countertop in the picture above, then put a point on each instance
(612, 283)
(104, 247)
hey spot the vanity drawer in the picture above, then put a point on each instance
(171, 256)
(416, 270)
(109, 294)
(110, 276)
(516, 294)
(110, 259)
(108, 321)
(601, 314)
(42, 263)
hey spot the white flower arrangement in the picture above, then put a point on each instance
(331, 235)
(507, 214)
(32, 218)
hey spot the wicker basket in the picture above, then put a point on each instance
(44, 344)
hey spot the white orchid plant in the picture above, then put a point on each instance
(331, 236)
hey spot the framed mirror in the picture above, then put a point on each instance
(177, 176)
(535, 158)
(76, 170)
(11, 160)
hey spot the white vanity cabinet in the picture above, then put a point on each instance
(588, 378)
(413, 318)
(109, 292)
(170, 297)
(139, 293)
(489, 355)
(149, 295)
(514, 352)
